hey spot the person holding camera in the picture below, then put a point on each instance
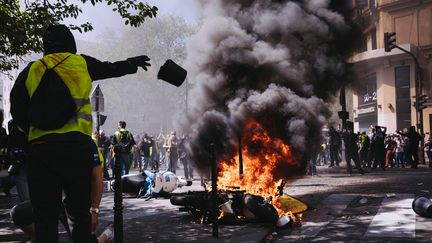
(7, 181)
(123, 142)
(18, 152)
(50, 102)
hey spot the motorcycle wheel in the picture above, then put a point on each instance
(182, 200)
(261, 209)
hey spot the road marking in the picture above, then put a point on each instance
(395, 218)
(332, 207)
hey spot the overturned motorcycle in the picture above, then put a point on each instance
(150, 184)
(236, 206)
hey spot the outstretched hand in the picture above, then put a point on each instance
(140, 61)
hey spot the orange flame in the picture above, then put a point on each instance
(262, 156)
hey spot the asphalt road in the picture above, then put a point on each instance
(375, 207)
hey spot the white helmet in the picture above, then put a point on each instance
(158, 182)
(170, 181)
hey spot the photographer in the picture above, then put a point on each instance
(7, 181)
(17, 147)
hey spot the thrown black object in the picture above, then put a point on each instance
(422, 206)
(172, 73)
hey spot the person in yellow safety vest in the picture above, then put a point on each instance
(123, 142)
(60, 155)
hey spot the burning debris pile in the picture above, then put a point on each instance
(264, 72)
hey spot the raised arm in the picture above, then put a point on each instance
(101, 70)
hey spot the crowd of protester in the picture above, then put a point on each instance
(147, 152)
(371, 150)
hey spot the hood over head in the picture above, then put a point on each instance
(58, 38)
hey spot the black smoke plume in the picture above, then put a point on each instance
(278, 62)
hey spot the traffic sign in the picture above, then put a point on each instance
(97, 99)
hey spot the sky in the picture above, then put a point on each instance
(102, 17)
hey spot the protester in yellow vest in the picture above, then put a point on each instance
(61, 157)
(124, 141)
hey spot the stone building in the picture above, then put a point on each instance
(387, 85)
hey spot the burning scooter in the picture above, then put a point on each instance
(237, 206)
(234, 205)
(247, 185)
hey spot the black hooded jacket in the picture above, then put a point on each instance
(57, 39)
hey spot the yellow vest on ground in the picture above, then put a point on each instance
(73, 71)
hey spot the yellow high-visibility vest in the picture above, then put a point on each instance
(73, 71)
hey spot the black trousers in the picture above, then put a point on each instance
(55, 168)
(334, 155)
(352, 155)
(379, 159)
(413, 156)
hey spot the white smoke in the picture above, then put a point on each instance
(274, 61)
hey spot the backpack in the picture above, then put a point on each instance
(52, 105)
(124, 141)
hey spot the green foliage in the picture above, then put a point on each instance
(22, 26)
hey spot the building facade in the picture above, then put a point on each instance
(7, 81)
(388, 82)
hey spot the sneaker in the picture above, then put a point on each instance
(109, 233)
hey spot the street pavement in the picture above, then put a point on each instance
(375, 207)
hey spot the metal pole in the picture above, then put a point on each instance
(97, 116)
(240, 156)
(118, 201)
(420, 125)
(98, 127)
(342, 99)
(215, 210)
(343, 114)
